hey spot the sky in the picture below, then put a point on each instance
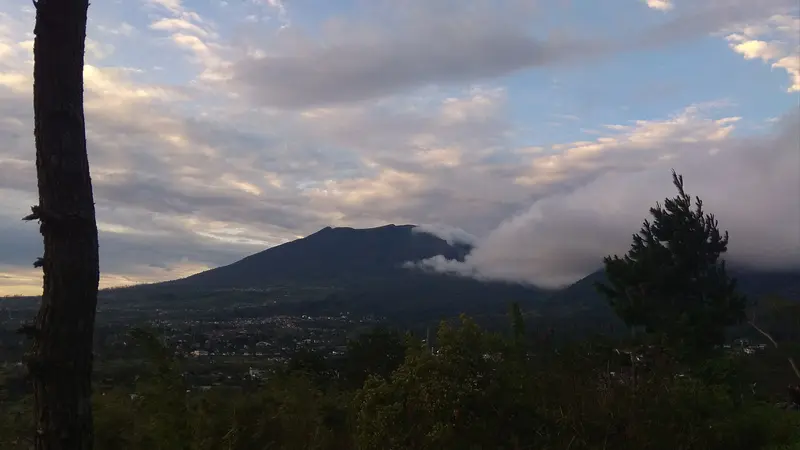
(540, 131)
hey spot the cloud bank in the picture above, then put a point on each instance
(442, 42)
(752, 185)
(451, 235)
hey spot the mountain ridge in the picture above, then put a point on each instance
(378, 251)
(364, 270)
(358, 270)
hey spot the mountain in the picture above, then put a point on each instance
(580, 307)
(359, 270)
(331, 255)
(362, 271)
(755, 284)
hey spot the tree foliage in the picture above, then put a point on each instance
(672, 282)
(475, 390)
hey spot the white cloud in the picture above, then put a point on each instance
(452, 235)
(282, 14)
(631, 146)
(661, 5)
(176, 24)
(424, 43)
(421, 44)
(97, 50)
(174, 6)
(121, 29)
(480, 105)
(775, 41)
(750, 184)
(189, 31)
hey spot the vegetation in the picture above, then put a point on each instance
(473, 389)
(672, 282)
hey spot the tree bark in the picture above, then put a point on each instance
(61, 356)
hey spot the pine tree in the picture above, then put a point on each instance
(672, 282)
(517, 325)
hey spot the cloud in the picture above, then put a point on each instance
(355, 72)
(173, 191)
(208, 188)
(423, 45)
(98, 50)
(751, 185)
(776, 41)
(709, 17)
(121, 29)
(419, 162)
(631, 146)
(191, 170)
(199, 191)
(452, 235)
(352, 62)
(174, 6)
(191, 32)
(176, 24)
(146, 248)
(661, 5)
(281, 12)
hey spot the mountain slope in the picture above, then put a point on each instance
(359, 270)
(753, 283)
(331, 255)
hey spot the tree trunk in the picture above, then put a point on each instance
(61, 357)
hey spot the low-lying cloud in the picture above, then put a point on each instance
(750, 184)
(452, 235)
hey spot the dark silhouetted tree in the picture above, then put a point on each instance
(61, 360)
(672, 282)
(377, 352)
(517, 327)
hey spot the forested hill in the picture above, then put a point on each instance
(753, 283)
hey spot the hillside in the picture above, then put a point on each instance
(331, 255)
(361, 270)
(754, 284)
(344, 269)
